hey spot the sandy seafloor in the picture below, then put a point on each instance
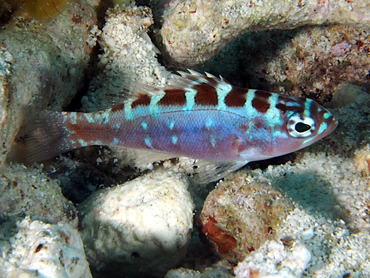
(328, 190)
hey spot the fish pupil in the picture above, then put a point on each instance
(302, 127)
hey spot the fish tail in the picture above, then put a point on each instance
(47, 136)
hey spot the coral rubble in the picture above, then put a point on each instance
(310, 61)
(129, 59)
(238, 216)
(40, 63)
(272, 259)
(39, 249)
(26, 191)
(139, 228)
(194, 30)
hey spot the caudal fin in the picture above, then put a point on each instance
(46, 136)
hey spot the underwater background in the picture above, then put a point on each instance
(104, 211)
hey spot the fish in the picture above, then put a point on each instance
(202, 117)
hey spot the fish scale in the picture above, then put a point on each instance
(199, 116)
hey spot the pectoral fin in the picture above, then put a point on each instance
(208, 171)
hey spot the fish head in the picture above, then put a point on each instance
(289, 124)
(304, 123)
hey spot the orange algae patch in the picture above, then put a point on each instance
(224, 241)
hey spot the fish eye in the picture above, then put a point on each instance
(299, 126)
(302, 127)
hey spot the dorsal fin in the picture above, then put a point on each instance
(181, 81)
(191, 78)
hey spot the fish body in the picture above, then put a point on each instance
(200, 116)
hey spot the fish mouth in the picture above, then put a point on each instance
(334, 123)
(331, 126)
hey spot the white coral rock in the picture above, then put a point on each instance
(142, 226)
(274, 260)
(44, 250)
